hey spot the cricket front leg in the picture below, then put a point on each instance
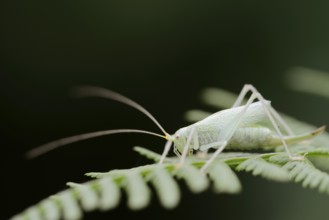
(165, 151)
(193, 135)
(273, 116)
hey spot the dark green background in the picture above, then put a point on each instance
(161, 54)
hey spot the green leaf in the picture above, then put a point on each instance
(318, 152)
(87, 196)
(310, 177)
(309, 81)
(218, 97)
(109, 193)
(196, 115)
(50, 209)
(69, 205)
(148, 154)
(33, 214)
(280, 159)
(137, 191)
(18, 217)
(260, 167)
(166, 187)
(224, 179)
(195, 180)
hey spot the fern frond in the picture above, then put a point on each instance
(260, 167)
(309, 81)
(109, 194)
(219, 97)
(104, 192)
(166, 188)
(317, 152)
(196, 115)
(87, 195)
(224, 179)
(195, 180)
(279, 159)
(148, 154)
(50, 209)
(33, 214)
(138, 193)
(69, 204)
(308, 175)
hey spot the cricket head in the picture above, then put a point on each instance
(179, 139)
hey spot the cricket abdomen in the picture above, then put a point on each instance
(249, 138)
(245, 138)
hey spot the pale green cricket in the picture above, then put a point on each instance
(244, 127)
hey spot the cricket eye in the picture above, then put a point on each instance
(177, 136)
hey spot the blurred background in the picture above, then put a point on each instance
(161, 54)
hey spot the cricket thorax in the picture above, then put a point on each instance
(208, 136)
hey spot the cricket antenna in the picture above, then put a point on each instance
(89, 91)
(68, 140)
(85, 91)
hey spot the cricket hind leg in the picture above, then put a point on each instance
(231, 130)
(248, 87)
(275, 125)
